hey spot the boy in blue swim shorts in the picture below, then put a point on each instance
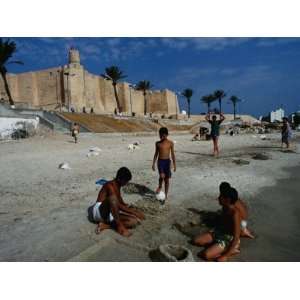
(163, 150)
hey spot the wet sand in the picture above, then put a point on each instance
(275, 217)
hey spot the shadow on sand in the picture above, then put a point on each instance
(90, 214)
(135, 188)
(208, 220)
(197, 153)
(267, 147)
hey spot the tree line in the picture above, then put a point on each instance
(217, 95)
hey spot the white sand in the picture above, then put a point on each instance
(43, 208)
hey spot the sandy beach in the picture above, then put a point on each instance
(43, 209)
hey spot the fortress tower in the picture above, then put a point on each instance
(74, 57)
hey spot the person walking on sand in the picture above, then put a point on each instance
(163, 149)
(286, 133)
(215, 130)
(75, 131)
(110, 211)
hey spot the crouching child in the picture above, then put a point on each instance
(224, 241)
(110, 211)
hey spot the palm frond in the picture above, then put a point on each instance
(144, 85)
(219, 94)
(7, 49)
(114, 73)
(188, 93)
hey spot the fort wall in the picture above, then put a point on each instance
(71, 86)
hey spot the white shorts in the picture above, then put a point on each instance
(243, 224)
(96, 213)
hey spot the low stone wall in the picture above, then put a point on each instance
(228, 117)
(8, 125)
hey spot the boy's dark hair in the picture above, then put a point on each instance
(163, 131)
(124, 174)
(224, 186)
(232, 195)
(214, 117)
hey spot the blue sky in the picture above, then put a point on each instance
(264, 72)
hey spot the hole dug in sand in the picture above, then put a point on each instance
(261, 156)
(171, 253)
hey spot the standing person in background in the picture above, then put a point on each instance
(286, 133)
(215, 130)
(75, 132)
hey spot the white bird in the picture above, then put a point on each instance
(64, 166)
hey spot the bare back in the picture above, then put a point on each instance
(164, 148)
(242, 208)
(75, 128)
(108, 191)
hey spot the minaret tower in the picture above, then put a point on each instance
(74, 57)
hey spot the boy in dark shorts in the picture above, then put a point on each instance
(224, 241)
(110, 211)
(215, 130)
(163, 149)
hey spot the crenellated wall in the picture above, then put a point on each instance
(72, 86)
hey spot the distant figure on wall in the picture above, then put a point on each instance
(72, 110)
(215, 130)
(83, 110)
(92, 110)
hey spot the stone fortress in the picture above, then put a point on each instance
(71, 86)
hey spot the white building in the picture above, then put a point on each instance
(276, 115)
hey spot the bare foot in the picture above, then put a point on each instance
(102, 226)
(158, 190)
(246, 233)
(236, 251)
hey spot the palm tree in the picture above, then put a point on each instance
(114, 74)
(208, 99)
(7, 49)
(188, 93)
(144, 86)
(220, 94)
(234, 100)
